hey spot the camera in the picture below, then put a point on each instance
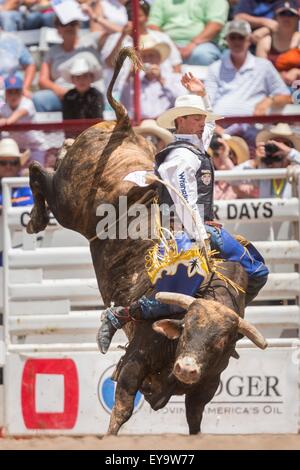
(270, 150)
(214, 143)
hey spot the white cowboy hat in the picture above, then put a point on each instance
(68, 11)
(148, 42)
(9, 148)
(81, 63)
(150, 127)
(282, 130)
(185, 105)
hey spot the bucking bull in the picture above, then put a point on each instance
(182, 355)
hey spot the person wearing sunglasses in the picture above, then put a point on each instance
(11, 162)
(284, 39)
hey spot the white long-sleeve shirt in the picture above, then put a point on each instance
(179, 168)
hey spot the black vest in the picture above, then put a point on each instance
(204, 178)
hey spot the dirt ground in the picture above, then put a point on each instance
(155, 442)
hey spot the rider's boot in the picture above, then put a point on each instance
(114, 318)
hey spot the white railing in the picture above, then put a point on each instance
(51, 289)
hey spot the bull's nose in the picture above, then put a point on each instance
(187, 370)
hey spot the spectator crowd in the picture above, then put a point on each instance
(246, 51)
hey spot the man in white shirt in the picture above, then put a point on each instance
(186, 165)
(241, 84)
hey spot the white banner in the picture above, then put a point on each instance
(256, 210)
(73, 394)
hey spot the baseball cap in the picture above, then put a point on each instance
(288, 6)
(239, 27)
(13, 82)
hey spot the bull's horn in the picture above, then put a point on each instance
(182, 300)
(252, 333)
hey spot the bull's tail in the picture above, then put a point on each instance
(120, 110)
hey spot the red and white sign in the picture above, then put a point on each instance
(49, 393)
(62, 393)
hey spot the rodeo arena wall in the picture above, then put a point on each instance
(55, 381)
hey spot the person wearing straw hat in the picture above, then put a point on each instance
(83, 101)
(11, 162)
(185, 166)
(276, 147)
(159, 88)
(226, 152)
(159, 136)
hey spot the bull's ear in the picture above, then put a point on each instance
(170, 328)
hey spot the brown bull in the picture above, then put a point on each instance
(190, 356)
(194, 349)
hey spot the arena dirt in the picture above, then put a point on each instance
(155, 442)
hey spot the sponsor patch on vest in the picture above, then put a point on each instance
(206, 177)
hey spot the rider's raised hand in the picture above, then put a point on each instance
(193, 84)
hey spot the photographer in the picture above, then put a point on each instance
(228, 151)
(159, 89)
(278, 147)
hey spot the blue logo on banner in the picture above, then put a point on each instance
(107, 389)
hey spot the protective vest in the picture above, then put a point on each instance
(204, 177)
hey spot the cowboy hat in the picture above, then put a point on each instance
(238, 146)
(9, 148)
(150, 127)
(81, 63)
(148, 42)
(185, 105)
(68, 11)
(282, 130)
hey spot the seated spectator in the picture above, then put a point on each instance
(19, 109)
(83, 101)
(124, 39)
(53, 86)
(260, 14)
(277, 147)
(194, 27)
(285, 38)
(28, 14)
(157, 135)
(14, 56)
(11, 162)
(158, 89)
(106, 16)
(241, 84)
